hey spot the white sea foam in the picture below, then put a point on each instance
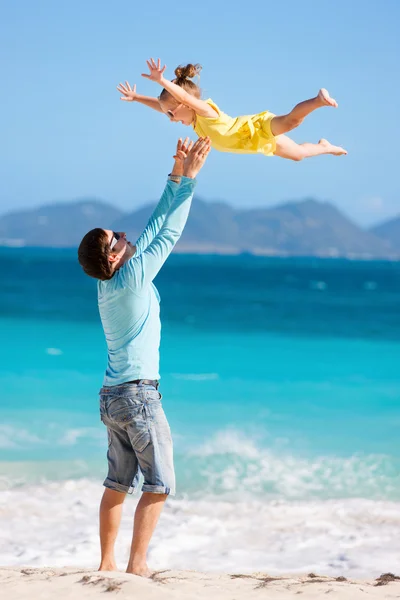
(57, 524)
(196, 376)
(71, 437)
(318, 285)
(228, 441)
(54, 351)
(15, 437)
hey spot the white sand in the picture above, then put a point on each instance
(18, 583)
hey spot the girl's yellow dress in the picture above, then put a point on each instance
(250, 134)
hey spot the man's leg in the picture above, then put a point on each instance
(285, 123)
(110, 519)
(157, 466)
(147, 514)
(287, 148)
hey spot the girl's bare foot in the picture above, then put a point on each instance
(325, 99)
(330, 149)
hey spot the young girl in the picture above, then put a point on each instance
(262, 133)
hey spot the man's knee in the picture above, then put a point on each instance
(112, 497)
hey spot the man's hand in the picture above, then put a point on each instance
(156, 72)
(129, 94)
(197, 157)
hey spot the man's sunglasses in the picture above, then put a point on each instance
(114, 239)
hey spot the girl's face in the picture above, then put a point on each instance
(177, 112)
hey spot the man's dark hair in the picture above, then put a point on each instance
(93, 253)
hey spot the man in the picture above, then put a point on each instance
(139, 436)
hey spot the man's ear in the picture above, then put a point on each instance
(112, 257)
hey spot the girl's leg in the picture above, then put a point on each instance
(288, 122)
(287, 148)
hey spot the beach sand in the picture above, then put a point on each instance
(19, 583)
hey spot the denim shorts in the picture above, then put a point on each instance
(139, 439)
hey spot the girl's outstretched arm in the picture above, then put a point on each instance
(200, 107)
(129, 95)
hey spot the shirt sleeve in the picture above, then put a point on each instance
(140, 270)
(157, 218)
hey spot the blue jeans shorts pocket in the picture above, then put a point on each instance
(139, 439)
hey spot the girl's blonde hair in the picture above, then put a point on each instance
(183, 75)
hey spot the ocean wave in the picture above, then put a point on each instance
(231, 463)
(16, 437)
(22, 474)
(71, 437)
(13, 437)
(227, 464)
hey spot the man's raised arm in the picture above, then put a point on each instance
(141, 270)
(157, 219)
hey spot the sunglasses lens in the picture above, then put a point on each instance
(114, 240)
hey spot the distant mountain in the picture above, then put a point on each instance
(57, 225)
(306, 227)
(389, 232)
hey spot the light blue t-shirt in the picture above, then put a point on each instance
(129, 301)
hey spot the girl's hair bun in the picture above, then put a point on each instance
(187, 72)
(183, 77)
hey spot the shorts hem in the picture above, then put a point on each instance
(266, 128)
(158, 489)
(118, 487)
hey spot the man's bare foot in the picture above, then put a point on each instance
(108, 567)
(325, 99)
(140, 570)
(331, 149)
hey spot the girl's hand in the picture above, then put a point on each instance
(182, 151)
(129, 94)
(156, 72)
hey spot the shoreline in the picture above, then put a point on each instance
(19, 583)
(229, 251)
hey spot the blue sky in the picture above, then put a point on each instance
(66, 135)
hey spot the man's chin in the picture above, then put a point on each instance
(130, 250)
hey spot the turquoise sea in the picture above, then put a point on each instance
(280, 379)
